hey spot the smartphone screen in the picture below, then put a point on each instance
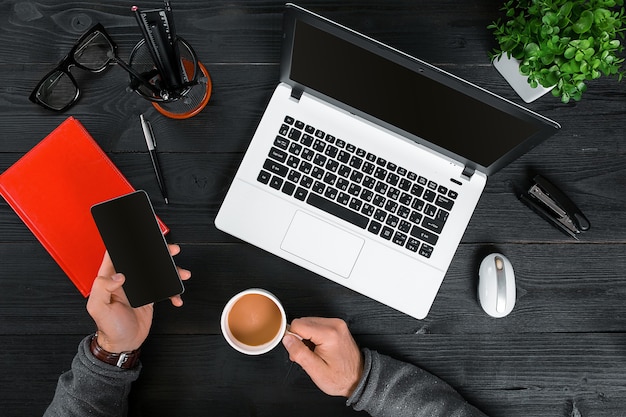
(132, 236)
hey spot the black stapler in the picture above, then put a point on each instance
(553, 205)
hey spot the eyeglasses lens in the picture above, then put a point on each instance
(94, 52)
(58, 90)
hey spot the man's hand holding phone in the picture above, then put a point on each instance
(122, 328)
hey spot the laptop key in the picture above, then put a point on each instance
(277, 154)
(281, 142)
(444, 202)
(374, 227)
(332, 165)
(331, 151)
(404, 226)
(424, 235)
(307, 140)
(386, 233)
(317, 173)
(343, 184)
(399, 238)
(367, 209)
(294, 176)
(306, 181)
(344, 157)
(412, 244)
(430, 210)
(293, 162)
(426, 250)
(276, 182)
(307, 154)
(330, 178)
(300, 193)
(442, 216)
(429, 196)
(337, 210)
(343, 199)
(295, 148)
(275, 168)
(305, 167)
(288, 188)
(318, 187)
(294, 134)
(432, 225)
(344, 171)
(331, 193)
(264, 177)
(368, 168)
(355, 204)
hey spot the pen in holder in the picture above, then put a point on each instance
(172, 77)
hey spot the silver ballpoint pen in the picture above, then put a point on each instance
(151, 142)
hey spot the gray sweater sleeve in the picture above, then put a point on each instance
(92, 388)
(393, 388)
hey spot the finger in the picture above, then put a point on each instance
(102, 290)
(103, 287)
(184, 274)
(174, 249)
(302, 355)
(315, 329)
(177, 301)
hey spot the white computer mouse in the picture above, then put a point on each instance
(496, 285)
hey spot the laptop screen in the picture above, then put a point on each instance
(460, 119)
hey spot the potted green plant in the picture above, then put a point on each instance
(561, 44)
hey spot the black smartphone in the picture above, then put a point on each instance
(137, 247)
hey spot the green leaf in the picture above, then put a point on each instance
(584, 23)
(524, 69)
(547, 59)
(532, 50)
(551, 79)
(566, 9)
(570, 52)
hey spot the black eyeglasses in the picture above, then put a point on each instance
(58, 90)
(93, 52)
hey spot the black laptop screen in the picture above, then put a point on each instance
(406, 98)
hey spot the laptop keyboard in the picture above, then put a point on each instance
(385, 199)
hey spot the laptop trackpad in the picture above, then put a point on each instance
(323, 244)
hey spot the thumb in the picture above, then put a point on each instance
(114, 282)
(103, 287)
(301, 354)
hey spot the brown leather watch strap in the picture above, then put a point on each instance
(124, 360)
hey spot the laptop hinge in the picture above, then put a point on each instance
(296, 93)
(468, 172)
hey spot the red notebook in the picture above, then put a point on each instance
(52, 189)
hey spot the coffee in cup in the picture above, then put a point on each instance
(253, 321)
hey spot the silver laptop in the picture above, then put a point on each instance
(368, 163)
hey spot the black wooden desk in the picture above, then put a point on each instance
(562, 352)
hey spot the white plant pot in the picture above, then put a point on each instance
(509, 69)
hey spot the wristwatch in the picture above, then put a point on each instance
(124, 360)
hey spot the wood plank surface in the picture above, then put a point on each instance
(561, 352)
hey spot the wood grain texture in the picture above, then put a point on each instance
(561, 352)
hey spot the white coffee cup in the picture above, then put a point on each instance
(254, 321)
